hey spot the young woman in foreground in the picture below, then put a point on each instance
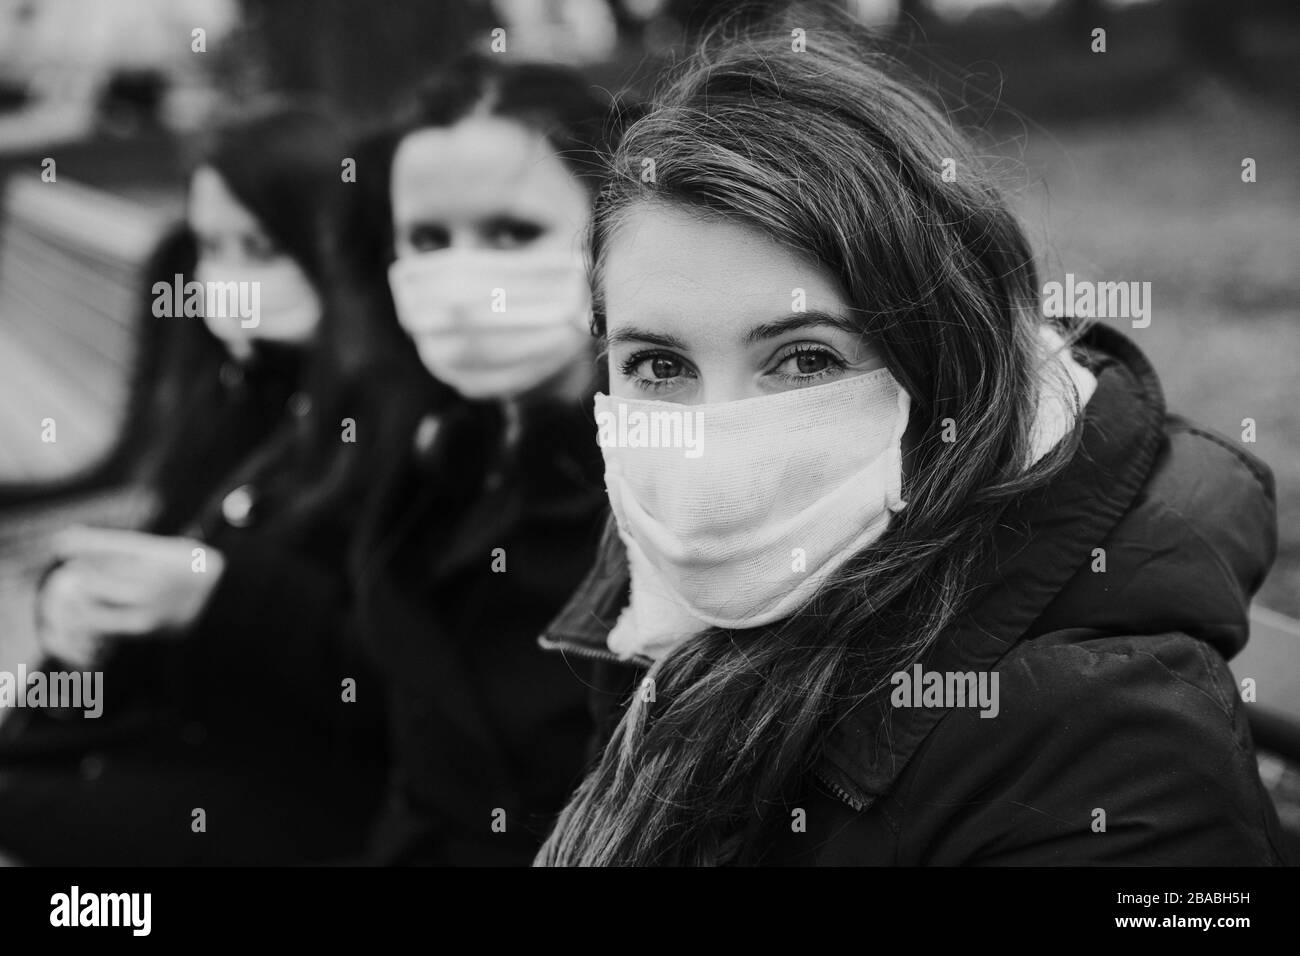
(897, 463)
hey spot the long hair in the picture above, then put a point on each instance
(281, 161)
(830, 153)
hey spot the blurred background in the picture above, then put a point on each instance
(1126, 165)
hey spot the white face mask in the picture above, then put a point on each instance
(272, 301)
(493, 324)
(777, 493)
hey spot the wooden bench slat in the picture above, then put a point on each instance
(25, 266)
(88, 218)
(70, 274)
(84, 429)
(55, 248)
(85, 362)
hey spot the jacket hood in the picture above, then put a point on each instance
(1187, 556)
(1153, 526)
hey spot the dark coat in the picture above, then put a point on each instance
(469, 552)
(1115, 694)
(242, 716)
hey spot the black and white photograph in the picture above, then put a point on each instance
(515, 434)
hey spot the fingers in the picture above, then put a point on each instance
(126, 583)
(78, 649)
(127, 564)
(62, 625)
(85, 543)
(96, 584)
(129, 620)
(80, 598)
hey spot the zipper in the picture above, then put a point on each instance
(581, 650)
(839, 792)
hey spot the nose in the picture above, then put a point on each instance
(723, 382)
(467, 240)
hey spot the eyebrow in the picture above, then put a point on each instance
(629, 335)
(766, 330)
(798, 320)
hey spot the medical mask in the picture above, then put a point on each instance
(493, 324)
(741, 525)
(273, 301)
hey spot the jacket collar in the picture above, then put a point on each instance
(1121, 435)
(553, 473)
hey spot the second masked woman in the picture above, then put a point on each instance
(467, 251)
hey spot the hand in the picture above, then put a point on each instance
(65, 630)
(123, 584)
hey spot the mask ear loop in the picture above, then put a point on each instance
(896, 502)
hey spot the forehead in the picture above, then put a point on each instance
(671, 268)
(212, 207)
(480, 166)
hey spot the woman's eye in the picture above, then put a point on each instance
(427, 238)
(656, 370)
(511, 233)
(808, 363)
(663, 367)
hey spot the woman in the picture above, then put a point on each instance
(923, 587)
(490, 507)
(218, 626)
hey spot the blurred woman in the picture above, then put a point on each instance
(490, 507)
(925, 585)
(203, 752)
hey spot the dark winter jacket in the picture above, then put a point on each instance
(470, 550)
(1116, 596)
(244, 715)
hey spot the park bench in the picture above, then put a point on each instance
(70, 282)
(71, 276)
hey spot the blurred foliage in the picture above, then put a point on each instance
(361, 55)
